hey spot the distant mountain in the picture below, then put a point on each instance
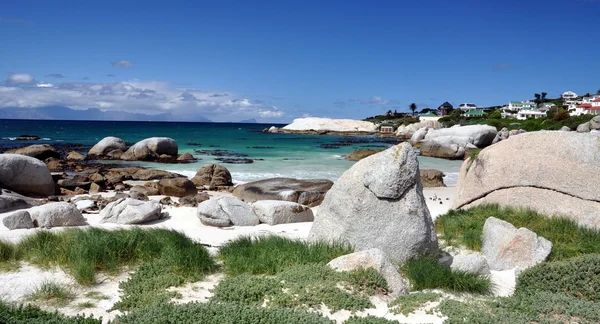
(65, 113)
(248, 121)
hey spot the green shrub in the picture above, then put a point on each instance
(222, 313)
(272, 254)
(29, 314)
(406, 304)
(578, 277)
(427, 273)
(465, 227)
(368, 320)
(50, 292)
(303, 286)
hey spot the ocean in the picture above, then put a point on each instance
(273, 155)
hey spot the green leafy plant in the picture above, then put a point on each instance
(368, 320)
(29, 314)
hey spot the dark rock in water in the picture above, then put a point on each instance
(193, 144)
(292, 159)
(263, 147)
(38, 151)
(225, 153)
(235, 160)
(360, 154)
(306, 192)
(27, 138)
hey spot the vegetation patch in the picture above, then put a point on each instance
(465, 227)
(427, 273)
(86, 304)
(52, 293)
(96, 295)
(8, 257)
(303, 286)
(272, 254)
(407, 304)
(29, 314)
(578, 277)
(368, 320)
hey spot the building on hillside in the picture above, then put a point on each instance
(445, 108)
(530, 113)
(468, 106)
(591, 107)
(386, 129)
(518, 105)
(429, 116)
(548, 105)
(474, 113)
(569, 95)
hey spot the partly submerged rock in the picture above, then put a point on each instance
(506, 247)
(38, 151)
(109, 147)
(151, 149)
(379, 203)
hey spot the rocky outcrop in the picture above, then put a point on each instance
(75, 156)
(25, 175)
(373, 259)
(148, 191)
(328, 124)
(213, 176)
(176, 187)
(186, 157)
(379, 203)
(10, 201)
(452, 143)
(194, 200)
(503, 134)
(432, 178)
(407, 131)
(109, 148)
(506, 247)
(38, 151)
(275, 212)
(18, 220)
(224, 211)
(470, 263)
(151, 149)
(56, 214)
(419, 135)
(130, 211)
(553, 173)
(360, 154)
(305, 192)
(584, 128)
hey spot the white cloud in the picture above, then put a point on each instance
(20, 78)
(135, 96)
(373, 100)
(122, 63)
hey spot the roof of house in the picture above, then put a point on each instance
(516, 102)
(428, 115)
(585, 105)
(446, 104)
(475, 112)
(531, 111)
(596, 100)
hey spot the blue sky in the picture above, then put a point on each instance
(279, 60)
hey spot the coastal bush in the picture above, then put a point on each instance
(465, 227)
(85, 252)
(368, 320)
(406, 304)
(538, 307)
(577, 277)
(222, 313)
(303, 286)
(427, 273)
(51, 292)
(29, 314)
(272, 254)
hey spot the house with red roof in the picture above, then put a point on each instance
(590, 105)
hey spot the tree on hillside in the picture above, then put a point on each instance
(544, 94)
(598, 92)
(413, 108)
(537, 97)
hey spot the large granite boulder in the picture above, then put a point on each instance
(18, 220)
(453, 142)
(379, 203)
(275, 212)
(506, 247)
(328, 124)
(38, 151)
(151, 149)
(130, 211)
(554, 173)
(56, 214)
(224, 211)
(212, 175)
(418, 135)
(25, 175)
(305, 192)
(176, 187)
(432, 178)
(10, 201)
(147, 191)
(373, 259)
(584, 128)
(109, 147)
(595, 123)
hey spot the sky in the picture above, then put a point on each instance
(279, 60)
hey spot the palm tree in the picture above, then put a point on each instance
(413, 108)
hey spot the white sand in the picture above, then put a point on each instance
(14, 286)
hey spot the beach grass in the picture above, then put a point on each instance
(407, 304)
(8, 257)
(465, 228)
(427, 273)
(272, 254)
(84, 252)
(52, 292)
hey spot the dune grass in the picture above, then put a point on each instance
(52, 293)
(272, 254)
(407, 304)
(84, 252)
(465, 227)
(427, 273)
(8, 257)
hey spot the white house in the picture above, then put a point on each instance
(588, 105)
(518, 105)
(467, 106)
(527, 113)
(569, 95)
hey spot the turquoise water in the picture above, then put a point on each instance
(274, 155)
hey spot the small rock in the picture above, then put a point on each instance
(470, 263)
(18, 220)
